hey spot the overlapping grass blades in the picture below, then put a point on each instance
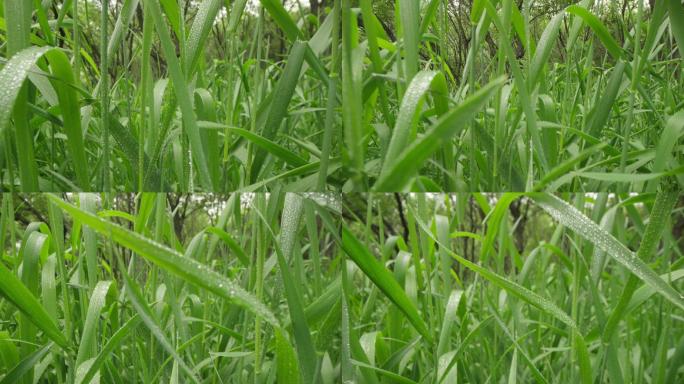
(130, 98)
(506, 253)
(188, 269)
(185, 311)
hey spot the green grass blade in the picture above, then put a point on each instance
(182, 93)
(411, 159)
(17, 14)
(113, 342)
(287, 367)
(383, 279)
(17, 293)
(281, 99)
(87, 348)
(26, 365)
(171, 261)
(201, 26)
(279, 14)
(405, 125)
(570, 217)
(599, 29)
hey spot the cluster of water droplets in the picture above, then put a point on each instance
(12, 77)
(332, 201)
(572, 218)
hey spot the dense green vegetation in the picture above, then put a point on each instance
(312, 191)
(167, 288)
(367, 288)
(219, 95)
(508, 288)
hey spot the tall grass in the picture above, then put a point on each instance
(578, 110)
(169, 287)
(516, 288)
(384, 96)
(171, 98)
(308, 288)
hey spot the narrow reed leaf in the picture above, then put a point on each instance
(570, 217)
(383, 279)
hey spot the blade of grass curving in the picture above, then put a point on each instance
(400, 172)
(287, 367)
(113, 342)
(599, 29)
(87, 347)
(122, 22)
(570, 217)
(71, 113)
(17, 293)
(17, 14)
(48, 286)
(662, 209)
(405, 125)
(383, 279)
(12, 77)
(231, 243)
(280, 15)
(449, 319)
(26, 365)
(33, 248)
(199, 31)
(544, 47)
(171, 261)
(495, 218)
(601, 111)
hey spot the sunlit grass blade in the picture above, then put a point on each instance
(87, 347)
